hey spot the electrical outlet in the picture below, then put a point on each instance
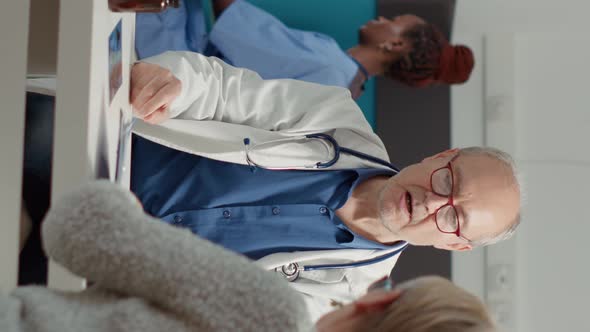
(502, 313)
(500, 280)
(500, 294)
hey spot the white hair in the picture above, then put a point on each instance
(507, 160)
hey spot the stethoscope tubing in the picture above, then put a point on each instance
(337, 151)
(355, 264)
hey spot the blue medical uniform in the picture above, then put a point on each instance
(156, 33)
(246, 36)
(252, 211)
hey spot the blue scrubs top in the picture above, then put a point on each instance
(246, 36)
(252, 211)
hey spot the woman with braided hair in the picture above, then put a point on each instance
(405, 48)
(412, 51)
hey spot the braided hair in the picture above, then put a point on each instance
(431, 59)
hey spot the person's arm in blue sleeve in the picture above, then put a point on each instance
(252, 38)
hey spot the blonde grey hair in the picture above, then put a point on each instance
(509, 163)
(432, 304)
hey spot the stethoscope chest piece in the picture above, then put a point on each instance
(289, 271)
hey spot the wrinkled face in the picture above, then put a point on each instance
(485, 197)
(382, 30)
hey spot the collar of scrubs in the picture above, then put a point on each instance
(349, 238)
(354, 241)
(361, 68)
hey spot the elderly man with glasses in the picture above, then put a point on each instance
(191, 168)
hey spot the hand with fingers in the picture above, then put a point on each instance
(153, 89)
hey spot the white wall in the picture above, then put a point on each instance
(13, 68)
(545, 123)
(552, 147)
(521, 15)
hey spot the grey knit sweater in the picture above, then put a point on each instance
(146, 275)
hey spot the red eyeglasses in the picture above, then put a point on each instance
(442, 182)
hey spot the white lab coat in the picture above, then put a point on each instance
(220, 105)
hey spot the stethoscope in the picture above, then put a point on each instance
(292, 271)
(327, 140)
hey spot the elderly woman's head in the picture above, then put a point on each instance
(425, 304)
